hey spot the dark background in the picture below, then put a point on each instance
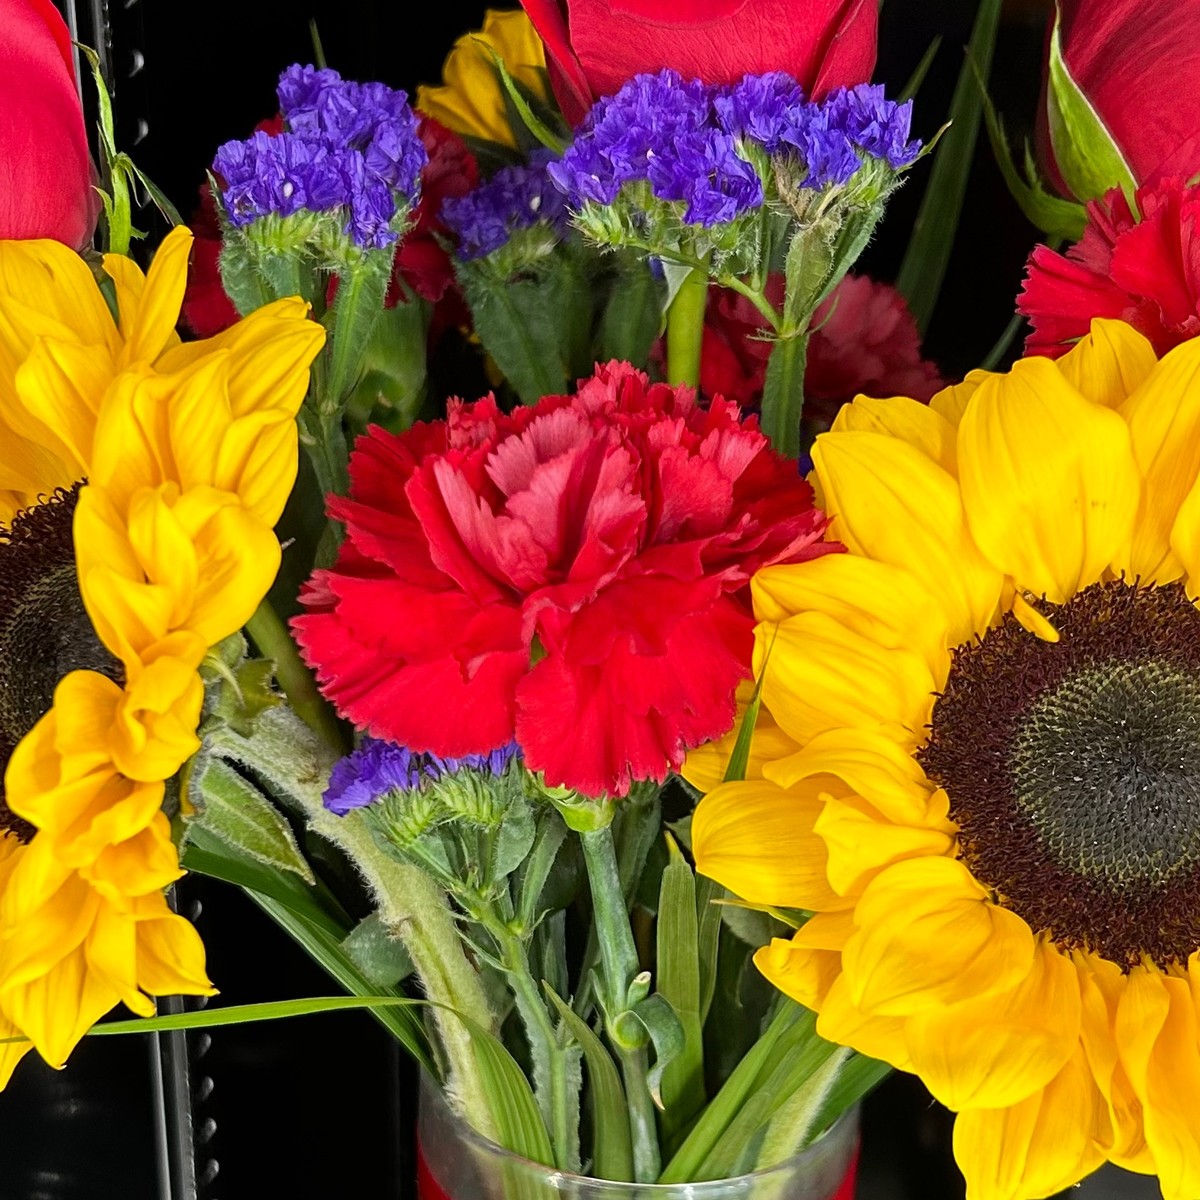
(322, 1106)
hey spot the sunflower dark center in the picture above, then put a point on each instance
(45, 632)
(1073, 769)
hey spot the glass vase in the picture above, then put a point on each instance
(456, 1163)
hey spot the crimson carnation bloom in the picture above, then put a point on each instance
(1146, 273)
(572, 575)
(864, 340)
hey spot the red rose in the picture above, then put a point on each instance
(864, 340)
(594, 46)
(1139, 65)
(45, 169)
(1146, 273)
(571, 574)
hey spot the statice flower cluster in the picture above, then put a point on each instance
(380, 768)
(715, 148)
(348, 147)
(515, 198)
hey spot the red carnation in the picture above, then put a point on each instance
(571, 574)
(864, 340)
(1146, 273)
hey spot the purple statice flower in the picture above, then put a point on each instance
(378, 768)
(827, 153)
(875, 124)
(760, 107)
(516, 197)
(664, 130)
(708, 174)
(349, 146)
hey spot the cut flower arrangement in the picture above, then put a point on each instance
(660, 758)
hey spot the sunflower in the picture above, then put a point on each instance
(978, 763)
(471, 100)
(139, 483)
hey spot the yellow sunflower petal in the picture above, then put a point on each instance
(821, 675)
(805, 973)
(1101, 984)
(55, 1009)
(842, 1021)
(471, 100)
(60, 387)
(705, 766)
(45, 281)
(155, 729)
(757, 839)
(1164, 429)
(148, 320)
(918, 424)
(1159, 1039)
(861, 842)
(870, 764)
(1048, 479)
(46, 911)
(11, 1053)
(892, 503)
(996, 1051)
(141, 866)
(1037, 1147)
(927, 935)
(170, 958)
(951, 402)
(1109, 364)
(887, 604)
(111, 956)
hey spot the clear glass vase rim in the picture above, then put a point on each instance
(468, 1133)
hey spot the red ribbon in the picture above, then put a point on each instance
(428, 1188)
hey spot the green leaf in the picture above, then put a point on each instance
(519, 1124)
(682, 1088)
(928, 253)
(326, 950)
(740, 758)
(633, 311)
(207, 854)
(798, 1063)
(662, 1023)
(230, 806)
(913, 86)
(536, 325)
(708, 938)
(242, 1014)
(859, 1075)
(1088, 158)
(517, 98)
(381, 957)
(612, 1149)
(1055, 216)
(791, 1022)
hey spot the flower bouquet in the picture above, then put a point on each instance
(661, 750)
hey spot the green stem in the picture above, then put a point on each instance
(618, 956)
(544, 1042)
(769, 312)
(685, 329)
(271, 636)
(783, 394)
(416, 911)
(288, 756)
